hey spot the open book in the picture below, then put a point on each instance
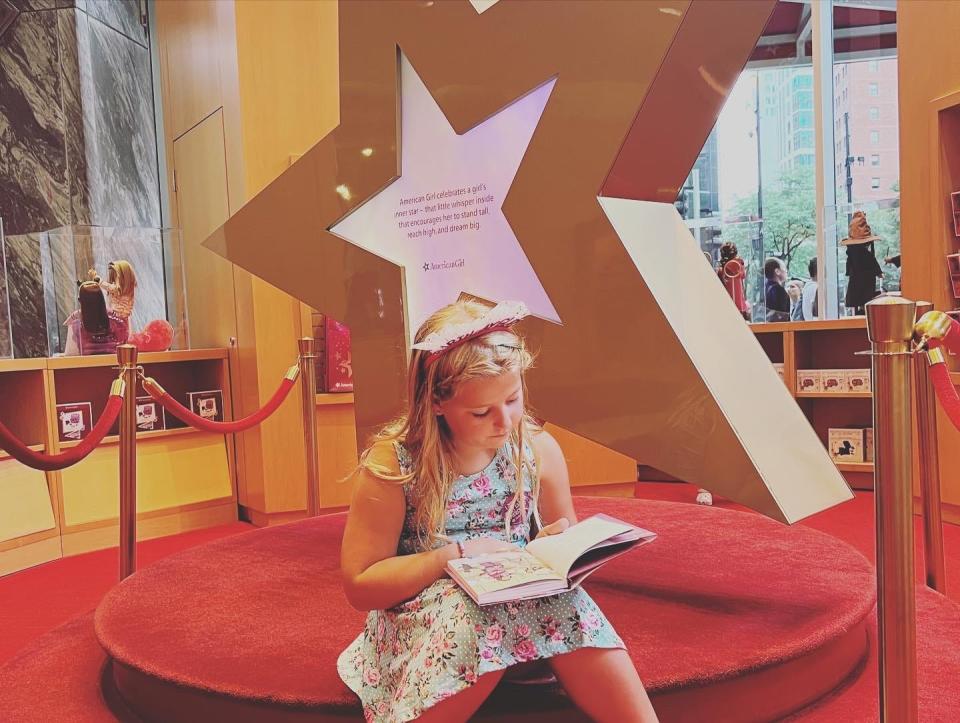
(547, 566)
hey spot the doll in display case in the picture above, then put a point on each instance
(92, 329)
(97, 327)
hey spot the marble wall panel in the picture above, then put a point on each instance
(74, 42)
(6, 346)
(116, 88)
(25, 286)
(33, 176)
(121, 15)
(37, 4)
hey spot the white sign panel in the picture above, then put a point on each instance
(441, 220)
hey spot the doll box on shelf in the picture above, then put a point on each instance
(846, 445)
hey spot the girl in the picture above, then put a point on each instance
(465, 472)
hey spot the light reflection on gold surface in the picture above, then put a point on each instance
(615, 371)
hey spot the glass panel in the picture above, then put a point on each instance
(883, 219)
(6, 340)
(753, 183)
(140, 297)
(867, 154)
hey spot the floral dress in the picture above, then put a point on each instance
(422, 651)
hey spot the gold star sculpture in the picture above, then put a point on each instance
(651, 359)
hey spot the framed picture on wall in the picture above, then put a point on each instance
(74, 421)
(955, 210)
(953, 267)
(208, 404)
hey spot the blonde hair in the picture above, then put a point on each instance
(428, 439)
(121, 274)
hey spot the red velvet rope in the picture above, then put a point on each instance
(207, 425)
(940, 375)
(946, 392)
(50, 462)
(950, 340)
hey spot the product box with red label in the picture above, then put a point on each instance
(809, 380)
(338, 361)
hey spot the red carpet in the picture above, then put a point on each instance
(261, 617)
(55, 664)
(39, 599)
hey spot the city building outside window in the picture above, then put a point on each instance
(755, 181)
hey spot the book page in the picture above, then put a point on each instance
(499, 571)
(561, 551)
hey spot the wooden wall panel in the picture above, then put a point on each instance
(590, 463)
(25, 505)
(191, 84)
(929, 68)
(171, 472)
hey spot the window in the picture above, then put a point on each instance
(875, 159)
(874, 113)
(874, 66)
(874, 89)
(874, 137)
(874, 182)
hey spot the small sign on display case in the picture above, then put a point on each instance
(208, 404)
(74, 420)
(150, 415)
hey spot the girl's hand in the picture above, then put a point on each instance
(486, 545)
(554, 528)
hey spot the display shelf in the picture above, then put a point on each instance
(34, 447)
(22, 365)
(834, 395)
(779, 327)
(338, 398)
(152, 357)
(187, 477)
(153, 434)
(855, 466)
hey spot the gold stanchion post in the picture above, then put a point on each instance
(127, 358)
(929, 467)
(890, 328)
(308, 386)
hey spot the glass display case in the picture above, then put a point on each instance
(136, 299)
(6, 342)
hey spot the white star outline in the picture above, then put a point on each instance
(438, 267)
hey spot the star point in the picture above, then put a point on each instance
(444, 211)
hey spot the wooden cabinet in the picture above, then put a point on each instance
(828, 344)
(185, 478)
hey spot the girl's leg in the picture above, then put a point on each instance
(464, 704)
(604, 684)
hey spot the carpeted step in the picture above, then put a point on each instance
(721, 604)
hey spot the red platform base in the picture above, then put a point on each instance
(728, 616)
